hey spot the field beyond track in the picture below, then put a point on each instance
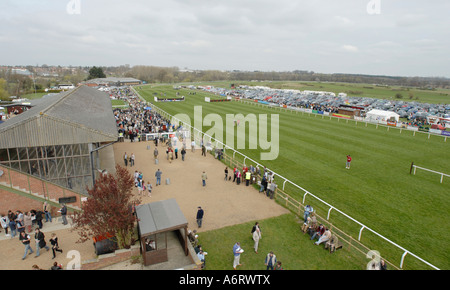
(378, 190)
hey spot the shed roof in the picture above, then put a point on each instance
(160, 216)
(80, 115)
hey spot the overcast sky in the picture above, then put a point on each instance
(397, 37)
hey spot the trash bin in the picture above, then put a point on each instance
(104, 246)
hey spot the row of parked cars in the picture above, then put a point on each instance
(411, 110)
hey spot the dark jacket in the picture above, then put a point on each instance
(200, 214)
(41, 237)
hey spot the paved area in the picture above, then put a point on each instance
(224, 202)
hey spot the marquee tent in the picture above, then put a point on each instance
(380, 115)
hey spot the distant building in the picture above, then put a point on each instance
(59, 138)
(65, 86)
(112, 81)
(21, 71)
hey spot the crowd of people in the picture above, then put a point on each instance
(250, 174)
(23, 224)
(138, 119)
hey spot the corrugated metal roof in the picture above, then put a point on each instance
(81, 115)
(159, 216)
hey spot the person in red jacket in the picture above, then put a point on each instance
(347, 164)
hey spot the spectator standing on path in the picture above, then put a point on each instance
(238, 177)
(149, 189)
(155, 153)
(13, 227)
(40, 241)
(270, 261)
(25, 239)
(203, 150)
(27, 221)
(199, 217)
(273, 187)
(349, 160)
(183, 153)
(63, 211)
(5, 223)
(204, 177)
(226, 173)
(248, 175)
(39, 214)
(237, 251)
(20, 225)
(132, 157)
(125, 159)
(55, 245)
(46, 209)
(158, 177)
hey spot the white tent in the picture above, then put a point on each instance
(380, 115)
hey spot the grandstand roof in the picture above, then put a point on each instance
(80, 115)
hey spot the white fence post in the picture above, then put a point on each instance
(360, 232)
(328, 215)
(403, 258)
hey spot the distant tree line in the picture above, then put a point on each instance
(154, 74)
(17, 84)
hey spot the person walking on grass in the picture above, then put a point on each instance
(256, 237)
(271, 261)
(349, 160)
(237, 251)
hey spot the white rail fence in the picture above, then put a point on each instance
(414, 167)
(285, 180)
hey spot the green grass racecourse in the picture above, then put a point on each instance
(378, 190)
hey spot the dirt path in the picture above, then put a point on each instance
(224, 202)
